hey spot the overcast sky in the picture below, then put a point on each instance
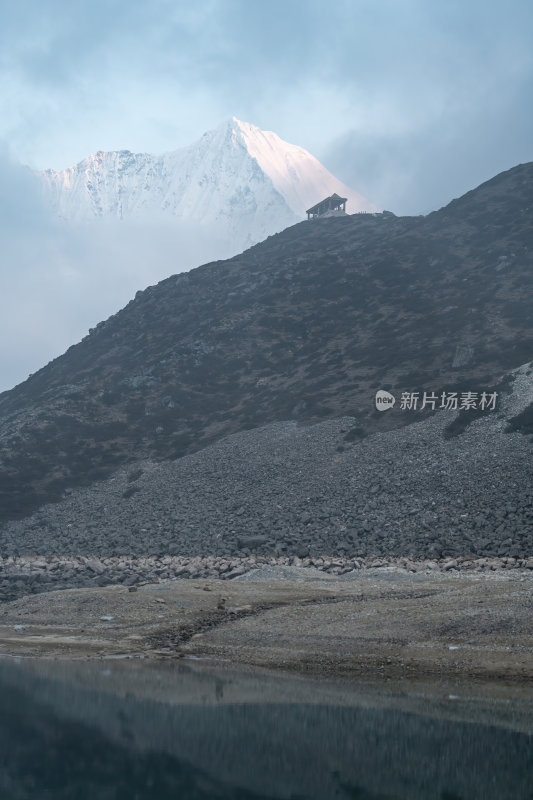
(410, 102)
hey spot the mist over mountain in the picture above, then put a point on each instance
(78, 243)
(305, 326)
(236, 178)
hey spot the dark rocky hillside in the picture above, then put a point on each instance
(433, 490)
(304, 326)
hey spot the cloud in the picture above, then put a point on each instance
(57, 281)
(111, 74)
(369, 88)
(427, 164)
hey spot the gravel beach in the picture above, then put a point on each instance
(380, 622)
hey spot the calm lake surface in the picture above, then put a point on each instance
(184, 730)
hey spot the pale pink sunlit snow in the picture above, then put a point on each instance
(239, 181)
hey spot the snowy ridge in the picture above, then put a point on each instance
(248, 182)
(297, 175)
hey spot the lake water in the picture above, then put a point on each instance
(125, 730)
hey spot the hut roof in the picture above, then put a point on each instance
(328, 202)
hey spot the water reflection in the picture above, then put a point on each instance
(115, 730)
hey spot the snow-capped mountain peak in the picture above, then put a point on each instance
(296, 174)
(243, 180)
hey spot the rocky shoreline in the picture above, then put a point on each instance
(36, 574)
(379, 622)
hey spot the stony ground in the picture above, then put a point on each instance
(378, 622)
(444, 488)
(36, 574)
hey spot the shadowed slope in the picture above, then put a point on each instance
(306, 326)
